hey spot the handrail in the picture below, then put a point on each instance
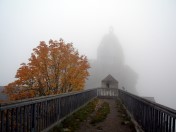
(40, 113)
(42, 97)
(153, 117)
(107, 92)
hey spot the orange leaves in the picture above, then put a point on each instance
(67, 63)
(52, 69)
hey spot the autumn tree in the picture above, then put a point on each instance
(52, 69)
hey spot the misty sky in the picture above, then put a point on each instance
(146, 30)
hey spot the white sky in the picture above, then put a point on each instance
(146, 30)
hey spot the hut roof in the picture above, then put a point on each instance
(109, 78)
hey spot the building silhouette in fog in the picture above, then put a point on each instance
(110, 60)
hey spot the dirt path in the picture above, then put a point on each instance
(115, 122)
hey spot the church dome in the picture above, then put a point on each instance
(109, 50)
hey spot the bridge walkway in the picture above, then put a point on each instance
(117, 120)
(43, 113)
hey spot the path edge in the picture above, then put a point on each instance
(138, 128)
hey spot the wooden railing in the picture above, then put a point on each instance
(34, 115)
(152, 117)
(42, 113)
(107, 92)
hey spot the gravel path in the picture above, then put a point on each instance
(113, 122)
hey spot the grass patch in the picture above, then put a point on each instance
(126, 119)
(100, 114)
(72, 123)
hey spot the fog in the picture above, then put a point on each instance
(145, 30)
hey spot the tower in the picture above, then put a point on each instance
(109, 52)
(110, 60)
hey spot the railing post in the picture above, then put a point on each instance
(58, 109)
(173, 128)
(34, 117)
(97, 92)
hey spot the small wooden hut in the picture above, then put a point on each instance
(109, 82)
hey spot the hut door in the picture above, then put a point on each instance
(107, 84)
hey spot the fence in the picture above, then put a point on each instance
(33, 115)
(107, 92)
(152, 117)
(37, 114)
